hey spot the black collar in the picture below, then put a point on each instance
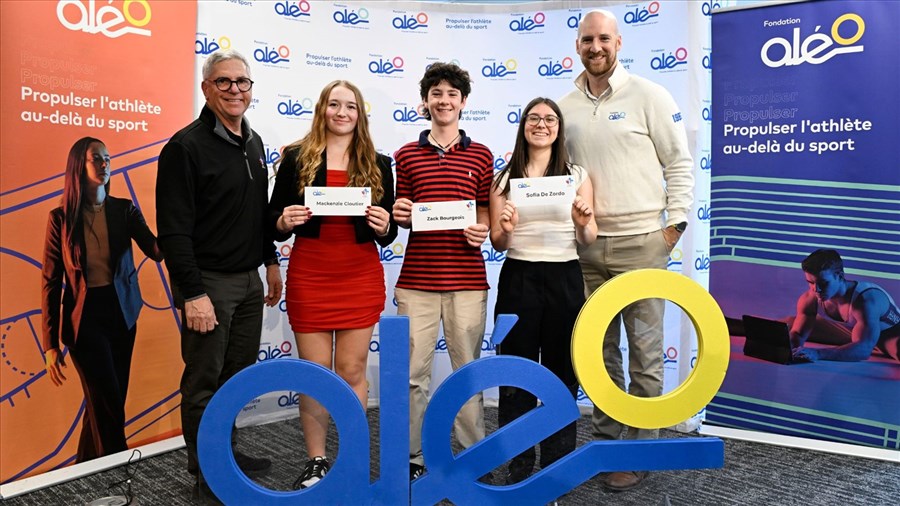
(464, 140)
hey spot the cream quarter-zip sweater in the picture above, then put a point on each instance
(633, 144)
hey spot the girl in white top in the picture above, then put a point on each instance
(540, 281)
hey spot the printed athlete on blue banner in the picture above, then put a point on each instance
(858, 317)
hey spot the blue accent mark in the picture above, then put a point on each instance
(502, 326)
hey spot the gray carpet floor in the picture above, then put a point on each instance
(754, 474)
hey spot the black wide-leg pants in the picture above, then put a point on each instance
(102, 356)
(546, 296)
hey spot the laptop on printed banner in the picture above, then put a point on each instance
(768, 340)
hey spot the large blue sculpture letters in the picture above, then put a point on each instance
(448, 477)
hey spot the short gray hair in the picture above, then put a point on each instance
(220, 56)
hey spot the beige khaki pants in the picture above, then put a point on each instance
(610, 256)
(463, 314)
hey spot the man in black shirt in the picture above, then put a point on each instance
(211, 194)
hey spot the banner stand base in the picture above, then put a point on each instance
(868, 452)
(69, 473)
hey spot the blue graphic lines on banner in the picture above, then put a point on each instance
(748, 413)
(777, 222)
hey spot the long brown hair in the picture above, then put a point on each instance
(362, 170)
(559, 157)
(73, 187)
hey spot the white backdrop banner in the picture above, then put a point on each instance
(513, 54)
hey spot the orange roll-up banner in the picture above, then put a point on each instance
(122, 72)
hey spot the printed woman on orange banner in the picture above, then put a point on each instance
(91, 298)
(335, 288)
(541, 279)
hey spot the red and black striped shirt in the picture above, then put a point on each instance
(442, 260)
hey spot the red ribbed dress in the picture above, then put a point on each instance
(333, 282)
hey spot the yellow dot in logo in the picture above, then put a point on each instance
(126, 10)
(860, 29)
(700, 386)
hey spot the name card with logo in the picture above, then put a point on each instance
(449, 215)
(332, 201)
(542, 191)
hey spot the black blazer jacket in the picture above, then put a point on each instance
(62, 307)
(285, 194)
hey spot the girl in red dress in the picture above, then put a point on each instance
(335, 282)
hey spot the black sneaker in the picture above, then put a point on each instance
(202, 495)
(415, 470)
(518, 472)
(316, 469)
(251, 465)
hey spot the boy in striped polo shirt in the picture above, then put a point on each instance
(443, 277)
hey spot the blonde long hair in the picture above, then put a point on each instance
(362, 170)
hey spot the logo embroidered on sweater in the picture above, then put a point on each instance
(613, 116)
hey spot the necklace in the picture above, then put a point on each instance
(443, 147)
(90, 216)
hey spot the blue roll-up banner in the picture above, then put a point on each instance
(806, 143)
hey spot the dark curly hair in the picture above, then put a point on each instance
(450, 72)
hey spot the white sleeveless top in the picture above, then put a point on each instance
(545, 233)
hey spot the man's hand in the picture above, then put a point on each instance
(55, 362)
(201, 315)
(671, 235)
(803, 354)
(274, 284)
(476, 234)
(403, 212)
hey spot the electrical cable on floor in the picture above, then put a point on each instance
(120, 492)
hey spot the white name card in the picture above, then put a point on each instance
(338, 201)
(450, 215)
(550, 190)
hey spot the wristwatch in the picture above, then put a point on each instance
(270, 261)
(679, 227)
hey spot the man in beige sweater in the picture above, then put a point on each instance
(629, 134)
